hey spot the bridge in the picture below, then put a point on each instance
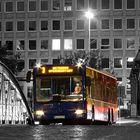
(14, 108)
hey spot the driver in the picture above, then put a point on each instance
(77, 88)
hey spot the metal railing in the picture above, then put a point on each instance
(14, 108)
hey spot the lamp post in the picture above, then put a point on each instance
(89, 15)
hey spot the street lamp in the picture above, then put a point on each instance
(89, 15)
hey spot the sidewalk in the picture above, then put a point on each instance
(128, 120)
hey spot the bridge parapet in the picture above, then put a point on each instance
(14, 108)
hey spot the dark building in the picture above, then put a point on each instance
(135, 83)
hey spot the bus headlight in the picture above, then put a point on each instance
(39, 112)
(79, 111)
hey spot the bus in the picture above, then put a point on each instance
(73, 94)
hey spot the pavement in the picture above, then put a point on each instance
(129, 120)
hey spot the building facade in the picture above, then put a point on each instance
(42, 30)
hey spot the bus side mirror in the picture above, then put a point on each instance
(88, 81)
(28, 76)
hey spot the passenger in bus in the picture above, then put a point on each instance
(77, 89)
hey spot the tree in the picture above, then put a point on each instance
(92, 58)
(9, 59)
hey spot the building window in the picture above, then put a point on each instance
(44, 5)
(32, 6)
(44, 44)
(128, 86)
(56, 24)
(32, 44)
(20, 26)
(105, 62)
(56, 5)
(32, 25)
(67, 5)
(80, 4)
(56, 61)
(119, 79)
(9, 45)
(80, 24)
(9, 26)
(44, 25)
(93, 43)
(0, 26)
(67, 44)
(129, 62)
(139, 23)
(80, 43)
(55, 44)
(0, 6)
(93, 62)
(105, 44)
(44, 61)
(32, 63)
(130, 43)
(93, 4)
(117, 4)
(117, 23)
(93, 24)
(130, 4)
(105, 24)
(20, 45)
(105, 4)
(68, 61)
(20, 65)
(117, 43)
(9, 7)
(20, 6)
(130, 23)
(68, 25)
(139, 43)
(118, 62)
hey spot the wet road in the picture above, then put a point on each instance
(120, 131)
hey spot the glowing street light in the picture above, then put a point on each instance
(89, 15)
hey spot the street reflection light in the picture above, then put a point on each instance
(89, 15)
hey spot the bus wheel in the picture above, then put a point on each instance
(93, 115)
(109, 117)
(112, 116)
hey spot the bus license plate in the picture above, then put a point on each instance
(59, 117)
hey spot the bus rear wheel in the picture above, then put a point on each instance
(110, 116)
(93, 115)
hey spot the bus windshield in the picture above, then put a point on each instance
(66, 88)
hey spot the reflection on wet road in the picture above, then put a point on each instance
(70, 132)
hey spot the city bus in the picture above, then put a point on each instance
(73, 94)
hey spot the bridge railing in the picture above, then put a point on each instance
(14, 108)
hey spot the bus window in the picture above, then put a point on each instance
(88, 81)
(43, 89)
(66, 87)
